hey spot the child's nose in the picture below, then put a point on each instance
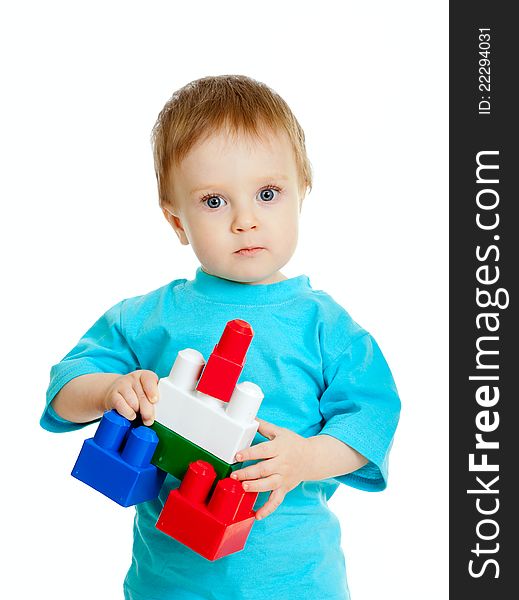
(244, 220)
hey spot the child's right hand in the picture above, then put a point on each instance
(132, 393)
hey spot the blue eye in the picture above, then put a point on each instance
(212, 201)
(268, 194)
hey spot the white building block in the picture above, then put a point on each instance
(222, 428)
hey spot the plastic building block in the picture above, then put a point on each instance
(174, 454)
(226, 361)
(213, 527)
(116, 461)
(220, 428)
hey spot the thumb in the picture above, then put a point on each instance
(266, 429)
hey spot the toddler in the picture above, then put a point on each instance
(232, 173)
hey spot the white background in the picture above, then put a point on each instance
(81, 229)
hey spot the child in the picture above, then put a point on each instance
(232, 173)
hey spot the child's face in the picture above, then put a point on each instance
(236, 192)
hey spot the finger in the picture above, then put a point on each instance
(261, 469)
(126, 391)
(149, 381)
(268, 430)
(258, 451)
(122, 407)
(263, 485)
(275, 499)
(145, 406)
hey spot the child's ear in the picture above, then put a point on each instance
(176, 223)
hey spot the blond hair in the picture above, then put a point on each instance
(208, 105)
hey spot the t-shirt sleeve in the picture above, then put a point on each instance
(361, 407)
(102, 349)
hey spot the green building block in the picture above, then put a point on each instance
(174, 453)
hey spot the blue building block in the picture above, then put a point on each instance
(116, 461)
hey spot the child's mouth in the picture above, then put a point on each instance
(249, 251)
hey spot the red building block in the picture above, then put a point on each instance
(226, 362)
(215, 528)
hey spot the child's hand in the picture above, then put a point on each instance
(133, 393)
(282, 472)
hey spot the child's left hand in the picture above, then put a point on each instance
(286, 452)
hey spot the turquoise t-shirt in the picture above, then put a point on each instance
(321, 373)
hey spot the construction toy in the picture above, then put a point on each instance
(221, 428)
(203, 418)
(213, 527)
(116, 461)
(226, 361)
(174, 453)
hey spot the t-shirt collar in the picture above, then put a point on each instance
(234, 292)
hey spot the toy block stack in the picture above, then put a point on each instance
(203, 418)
